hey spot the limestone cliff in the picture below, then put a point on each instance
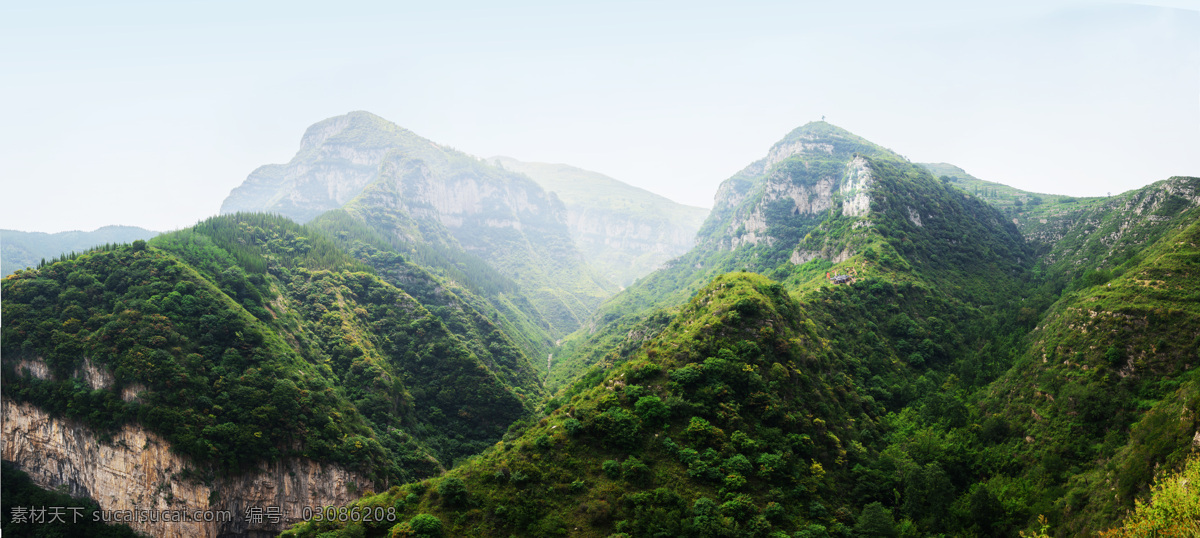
(792, 183)
(134, 470)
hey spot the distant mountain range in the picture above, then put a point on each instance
(19, 250)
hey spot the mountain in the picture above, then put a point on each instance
(823, 200)
(1107, 391)
(754, 406)
(245, 349)
(461, 216)
(19, 250)
(964, 381)
(623, 231)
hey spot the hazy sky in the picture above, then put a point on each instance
(149, 113)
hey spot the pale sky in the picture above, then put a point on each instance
(149, 113)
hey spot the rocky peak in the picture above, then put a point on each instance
(814, 170)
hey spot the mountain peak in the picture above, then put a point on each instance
(820, 137)
(358, 125)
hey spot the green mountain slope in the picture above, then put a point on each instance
(758, 407)
(824, 201)
(1109, 388)
(675, 441)
(623, 231)
(249, 338)
(1007, 199)
(963, 382)
(19, 250)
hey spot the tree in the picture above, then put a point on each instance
(875, 520)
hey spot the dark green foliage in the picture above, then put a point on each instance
(425, 526)
(22, 494)
(875, 521)
(252, 338)
(453, 492)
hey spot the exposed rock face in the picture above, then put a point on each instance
(333, 166)
(856, 189)
(850, 187)
(135, 471)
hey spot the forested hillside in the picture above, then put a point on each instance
(964, 381)
(248, 338)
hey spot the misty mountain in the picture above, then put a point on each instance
(623, 231)
(485, 226)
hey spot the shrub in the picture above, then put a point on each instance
(651, 409)
(453, 491)
(611, 469)
(425, 525)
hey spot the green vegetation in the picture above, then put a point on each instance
(490, 230)
(973, 377)
(250, 338)
(1172, 510)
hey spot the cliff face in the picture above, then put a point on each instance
(797, 189)
(134, 470)
(338, 157)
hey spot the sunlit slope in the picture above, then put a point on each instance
(733, 418)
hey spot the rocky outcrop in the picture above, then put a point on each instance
(851, 188)
(335, 162)
(137, 480)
